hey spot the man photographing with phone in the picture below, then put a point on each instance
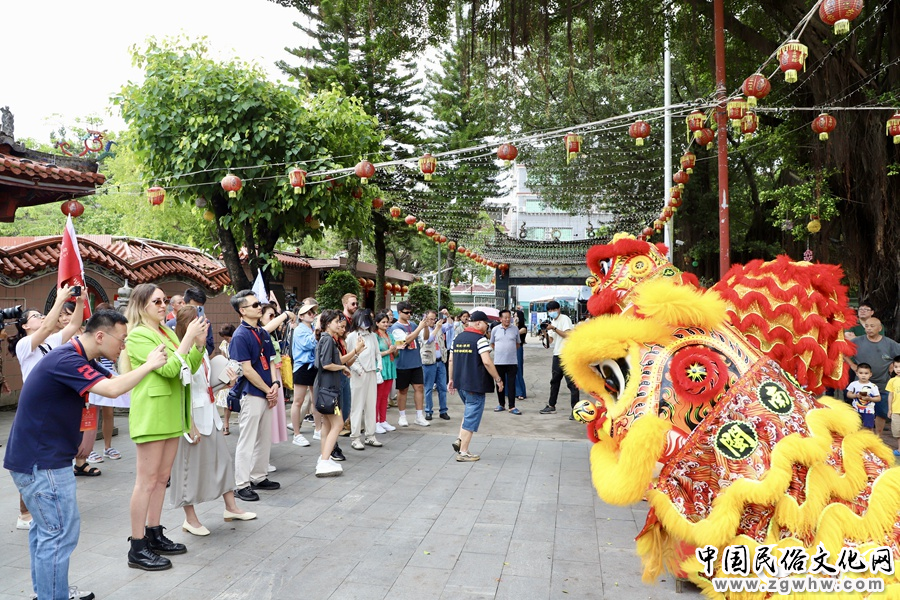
(46, 436)
(558, 330)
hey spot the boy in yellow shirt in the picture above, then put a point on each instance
(893, 389)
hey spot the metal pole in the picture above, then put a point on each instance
(669, 235)
(438, 307)
(722, 123)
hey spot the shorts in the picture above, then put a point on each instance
(473, 411)
(405, 377)
(868, 420)
(895, 425)
(881, 408)
(305, 374)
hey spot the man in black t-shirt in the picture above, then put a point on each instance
(471, 370)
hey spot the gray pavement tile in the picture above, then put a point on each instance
(616, 534)
(621, 572)
(259, 585)
(515, 587)
(581, 495)
(499, 512)
(529, 559)
(579, 546)
(475, 574)
(438, 551)
(572, 579)
(616, 513)
(319, 579)
(378, 569)
(573, 516)
(455, 521)
(422, 509)
(351, 590)
(15, 580)
(469, 496)
(325, 527)
(489, 538)
(419, 583)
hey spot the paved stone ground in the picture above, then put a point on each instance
(404, 521)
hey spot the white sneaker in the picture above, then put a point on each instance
(357, 445)
(23, 523)
(379, 428)
(317, 435)
(402, 422)
(271, 469)
(299, 440)
(290, 426)
(388, 427)
(328, 468)
(94, 458)
(422, 422)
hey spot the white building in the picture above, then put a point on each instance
(529, 218)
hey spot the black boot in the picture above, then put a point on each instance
(140, 556)
(160, 544)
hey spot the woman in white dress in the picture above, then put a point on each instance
(366, 370)
(203, 469)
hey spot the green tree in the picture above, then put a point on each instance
(193, 120)
(337, 283)
(424, 297)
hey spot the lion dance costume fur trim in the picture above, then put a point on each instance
(707, 406)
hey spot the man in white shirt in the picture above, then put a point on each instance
(559, 328)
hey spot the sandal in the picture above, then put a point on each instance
(86, 470)
(515, 411)
(225, 431)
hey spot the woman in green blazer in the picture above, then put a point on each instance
(160, 413)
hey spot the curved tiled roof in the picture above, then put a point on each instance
(27, 168)
(134, 259)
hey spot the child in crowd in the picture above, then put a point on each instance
(893, 390)
(864, 394)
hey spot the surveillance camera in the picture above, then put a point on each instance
(679, 242)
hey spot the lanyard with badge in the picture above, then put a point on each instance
(262, 354)
(89, 412)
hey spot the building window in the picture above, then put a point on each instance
(535, 234)
(565, 234)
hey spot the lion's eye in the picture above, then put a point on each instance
(614, 374)
(605, 265)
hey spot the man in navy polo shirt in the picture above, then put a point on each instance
(46, 436)
(258, 390)
(471, 371)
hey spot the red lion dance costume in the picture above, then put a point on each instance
(707, 405)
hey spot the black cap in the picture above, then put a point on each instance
(478, 315)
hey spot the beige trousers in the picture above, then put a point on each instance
(251, 458)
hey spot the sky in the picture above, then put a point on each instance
(67, 58)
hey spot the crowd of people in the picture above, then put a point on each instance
(159, 360)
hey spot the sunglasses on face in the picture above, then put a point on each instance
(406, 312)
(158, 301)
(254, 305)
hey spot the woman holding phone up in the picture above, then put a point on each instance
(160, 414)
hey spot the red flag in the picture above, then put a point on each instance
(71, 269)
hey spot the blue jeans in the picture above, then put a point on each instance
(435, 374)
(49, 495)
(345, 397)
(520, 376)
(474, 409)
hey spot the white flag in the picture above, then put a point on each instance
(259, 288)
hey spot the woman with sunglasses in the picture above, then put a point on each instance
(160, 414)
(303, 353)
(327, 388)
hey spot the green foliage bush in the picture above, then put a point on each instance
(424, 297)
(337, 283)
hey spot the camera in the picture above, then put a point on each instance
(544, 325)
(11, 313)
(75, 291)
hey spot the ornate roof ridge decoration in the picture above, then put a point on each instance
(516, 251)
(25, 258)
(286, 258)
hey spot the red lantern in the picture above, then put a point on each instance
(688, 161)
(427, 164)
(893, 127)
(72, 208)
(461, 249)
(792, 58)
(647, 232)
(695, 122)
(451, 246)
(823, 125)
(429, 232)
(749, 124)
(658, 225)
(680, 178)
(410, 219)
(370, 284)
(507, 152)
(377, 203)
(639, 130)
(397, 288)
(388, 287)
(361, 281)
(573, 146)
(404, 289)
(298, 180)
(395, 212)
(365, 171)
(675, 202)
(756, 87)
(468, 253)
(444, 240)
(357, 193)
(675, 192)
(667, 213)
(420, 226)
(706, 137)
(839, 13)
(156, 195)
(232, 184)
(737, 108)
